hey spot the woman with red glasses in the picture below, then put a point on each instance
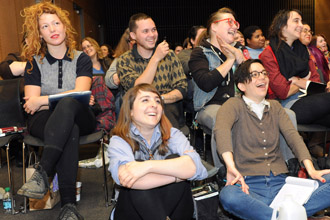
(212, 64)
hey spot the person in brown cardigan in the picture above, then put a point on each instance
(247, 132)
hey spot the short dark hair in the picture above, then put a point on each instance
(248, 31)
(193, 32)
(134, 18)
(242, 73)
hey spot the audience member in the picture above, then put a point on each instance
(111, 77)
(107, 50)
(151, 160)
(247, 134)
(320, 42)
(239, 37)
(211, 65)
(184, 57)
(315, 54)
(178, 49)
(54, 66)
(290, 69)
(158, 66)
(13, 65)
(255, 41)
(93, 50)
(186, 44)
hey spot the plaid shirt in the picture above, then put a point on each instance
(106, 119)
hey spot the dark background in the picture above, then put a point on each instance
(174, 18)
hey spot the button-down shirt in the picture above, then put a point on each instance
(120, 152)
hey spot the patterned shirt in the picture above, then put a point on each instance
(169, 75)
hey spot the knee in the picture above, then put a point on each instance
(67, 103)
(228, 196)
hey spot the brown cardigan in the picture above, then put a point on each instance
(255, 142)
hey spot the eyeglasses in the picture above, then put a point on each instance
(87, 47)
(307, 31)
(230, 21)
(256, 74)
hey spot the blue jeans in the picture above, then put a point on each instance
(263, 190)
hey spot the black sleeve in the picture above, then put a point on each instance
(5, 71)
(199, 67)
(84, 66)
(32, 77)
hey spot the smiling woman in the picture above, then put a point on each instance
(53, 67)
(151, 160)
(290, 69)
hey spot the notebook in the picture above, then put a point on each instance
(82, 97)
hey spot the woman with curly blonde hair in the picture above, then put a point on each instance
(38, 45)
(53, 67)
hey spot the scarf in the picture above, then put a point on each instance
(292, 61)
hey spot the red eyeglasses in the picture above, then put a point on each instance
(230, 21)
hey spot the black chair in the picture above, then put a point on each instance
(87, 139)
(311, 128)
(11, 116)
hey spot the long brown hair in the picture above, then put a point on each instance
(213, 17)
(36, 45)
(122, 129)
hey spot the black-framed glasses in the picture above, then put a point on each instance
(230, 21)
(307, 31)
(256, 74)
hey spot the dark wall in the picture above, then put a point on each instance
(174, 18)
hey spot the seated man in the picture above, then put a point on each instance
(255, 41)
(156, 65)
(247, 134)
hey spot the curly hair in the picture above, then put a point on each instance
(36, 45)
(124, 121)
(95, 45)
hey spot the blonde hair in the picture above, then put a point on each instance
(213, 17)
(123, 44)
(95, 45)
(36, 45)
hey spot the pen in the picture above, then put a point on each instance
(239, 185)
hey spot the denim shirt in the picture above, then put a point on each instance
(120, 152)
(201, 97)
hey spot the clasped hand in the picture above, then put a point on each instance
(230, 51)
(130, 172)
(31, 104)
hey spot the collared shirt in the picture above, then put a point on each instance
(120, 152)
(257, 108)
(254, 142)
(169, 74)
(57, 75)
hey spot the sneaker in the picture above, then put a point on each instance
(69, 212)
(37, 186)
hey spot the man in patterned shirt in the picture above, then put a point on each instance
(158, 66)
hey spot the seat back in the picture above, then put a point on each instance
(10, 104)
